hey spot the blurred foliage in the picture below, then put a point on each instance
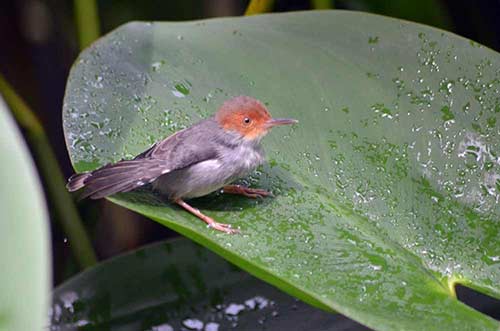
(259, 7)
(118, 12)
(87, 21)
(431, 12)
(24, 236)
(322, 4)
(181, 284)
(53, 179)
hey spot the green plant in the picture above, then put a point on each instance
(24, 235)
(386, 191)
(49, 169)
(178, 284)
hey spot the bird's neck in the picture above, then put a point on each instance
(234, 139)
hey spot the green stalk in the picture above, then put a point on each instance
(87, 21)
(259, 6)
(322, 4)
(49, 170)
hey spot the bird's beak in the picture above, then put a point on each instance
(280, 121)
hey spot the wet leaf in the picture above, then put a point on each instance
(178, 285)
(385, 193)
(24, 237)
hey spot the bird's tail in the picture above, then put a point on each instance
(123, 176)
(77, 181)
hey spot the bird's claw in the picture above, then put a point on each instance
(256, 193)
(210, 221)
(226, 228)
(246, 191)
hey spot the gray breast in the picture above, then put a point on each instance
(202, 178)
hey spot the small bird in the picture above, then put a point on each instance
(195, 161)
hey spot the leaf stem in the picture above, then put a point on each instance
(87, 21)
(51, 173)
(259, 6)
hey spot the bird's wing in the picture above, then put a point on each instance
(180, 150)
(180, 146)
(162, 147)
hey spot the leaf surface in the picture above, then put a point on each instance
(385, 193)
(176, 284)
(24, 235)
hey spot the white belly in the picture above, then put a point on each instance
(208, 176)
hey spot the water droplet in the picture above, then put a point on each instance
(212, 326)
(382, 110)
(234, 309)
(68, 299)
(257, 302)
(162, 327)
(98, 82)
(181, 90)
(193, 324)
(447, 114)
(157, 65)
(178, 94)
(491, 122)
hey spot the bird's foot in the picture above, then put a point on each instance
(210, 221)
(246, 191)
(221, 226)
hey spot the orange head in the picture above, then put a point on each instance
(247, 116)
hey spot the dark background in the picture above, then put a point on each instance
(38, 44)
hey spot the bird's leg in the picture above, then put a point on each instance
(246, 191)
(210, 221)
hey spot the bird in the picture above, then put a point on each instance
(203, 158)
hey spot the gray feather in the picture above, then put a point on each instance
(77, 181)
(178, 151)
(190, 163)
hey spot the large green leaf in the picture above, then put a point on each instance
(175, 284)
(385, 193)
(24, 237)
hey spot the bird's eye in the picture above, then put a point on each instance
(247, 120)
